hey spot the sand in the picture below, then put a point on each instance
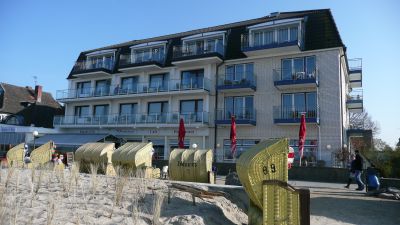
(59, 200)
(65, 197)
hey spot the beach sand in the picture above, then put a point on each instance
(52, 197)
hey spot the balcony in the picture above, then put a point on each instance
(243, 117)
(292, 115)
(250, 48)
(355, 73)
(246, 83)
(89, 68)
(191, 119)
(130, 63)
(196, 56)
(354, 100)
(140, 90)
(286, 79)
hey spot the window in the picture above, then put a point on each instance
(209, 45)
(241, 107)
(100, 114)
(102, 87)
(128, 109)
(310, 150)
(258, 38)
(192, 79)
(158, 82)
(82, 111)
(294, 104)
(157, 111)
(241, 146)
(129, 84)
(192, 110)
(239, 73)
(283, 35)
(128, 112)
(298, 68)
(293, 31)
(82, 114)
(173, 144)
(106, 61)
(149, 54)
(83, 89)
(158, 146)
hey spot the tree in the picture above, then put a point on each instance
(398, 145)
(363, 121)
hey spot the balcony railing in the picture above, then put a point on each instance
(355, 65)
(132, 60)
(138, 88)
(89, 65)
(242, 116)
(250, 45)
(355, 95)
(293, 114)
(133, 119)
(180, 51)
(227, 82)
(290, 77)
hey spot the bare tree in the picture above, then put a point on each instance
(363, 121)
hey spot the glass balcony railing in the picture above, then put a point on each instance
(89, 65)
(180, 51)
(248, 43)
(170, 86)
(355, 95)
(133, 119)
(288, 77)
(293, 114)
(133, 60)
(229, 82)
(242, 116)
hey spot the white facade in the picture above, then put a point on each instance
(326, 131)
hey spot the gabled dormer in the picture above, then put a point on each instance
(150, 55)
(208, 47)
(271, 37)
(95, 63)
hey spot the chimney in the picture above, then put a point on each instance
(38, 93)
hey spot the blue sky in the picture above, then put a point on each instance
(44, 38)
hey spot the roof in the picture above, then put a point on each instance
(14, 95)
(70, 139)
(320, 32)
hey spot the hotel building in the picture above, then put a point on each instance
(265, 71)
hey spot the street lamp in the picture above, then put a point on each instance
(194, 145)
(328, 147)
(35, 133)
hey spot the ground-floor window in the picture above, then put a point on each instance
(158, 146)
(310, 150)
(241, 146)
(173, 143)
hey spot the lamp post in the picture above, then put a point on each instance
(194, 146)
(34, 133)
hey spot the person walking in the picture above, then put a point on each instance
(358, 166)
(351, 171)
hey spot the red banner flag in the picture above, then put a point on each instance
(233, 136)
(302, 135)
(181, 134)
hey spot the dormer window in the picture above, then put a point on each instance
(201, 44)
(148, 52)
(273, 34)
(101, 59)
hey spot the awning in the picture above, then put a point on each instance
(69, 140)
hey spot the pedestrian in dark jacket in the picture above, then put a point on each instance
(358, 166)
(351, 171)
